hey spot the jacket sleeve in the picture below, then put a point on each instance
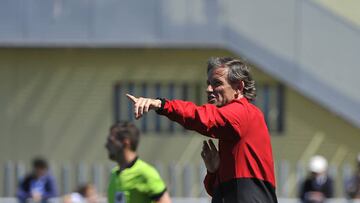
(329, 191)
(302, 191)
(210, 183)
(207, 119)
(22, 192)
(51, 189)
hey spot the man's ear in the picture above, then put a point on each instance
(126, 142)
(240, 88)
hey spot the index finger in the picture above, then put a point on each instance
(132, 98)
(205, 146)
(212, 145)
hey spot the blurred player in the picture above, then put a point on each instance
(133, 180)
(246, 169)
(86, 193)
(39, 185)
(318, 186)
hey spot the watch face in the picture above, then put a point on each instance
(120, 197)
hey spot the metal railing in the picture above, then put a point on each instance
(196, 200)
(185, 180)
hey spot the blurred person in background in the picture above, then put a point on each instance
(132, 180)
(246, 168)
(85, 193)
(352, 187)
(318, 186)
(37, 186)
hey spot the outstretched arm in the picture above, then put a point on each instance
(207, 119)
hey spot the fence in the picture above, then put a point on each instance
(197, 200)
(182, 180)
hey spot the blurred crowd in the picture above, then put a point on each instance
(319, 185)
(39, 185)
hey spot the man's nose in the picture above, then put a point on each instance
(209, 88)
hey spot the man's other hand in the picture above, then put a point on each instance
(210, 155)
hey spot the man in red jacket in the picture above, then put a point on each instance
(246, 170)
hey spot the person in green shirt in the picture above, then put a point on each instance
(132, 180)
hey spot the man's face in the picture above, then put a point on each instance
(114, 146)
(40, 171)
(219, 91)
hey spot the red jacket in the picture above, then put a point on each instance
(244, 141)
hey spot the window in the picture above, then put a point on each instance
(270, 99)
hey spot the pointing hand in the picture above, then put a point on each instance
(143, 105)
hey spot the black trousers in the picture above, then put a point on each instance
(245, 190)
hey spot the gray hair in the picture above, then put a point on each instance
(238, 71)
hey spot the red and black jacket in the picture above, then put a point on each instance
(246, 172)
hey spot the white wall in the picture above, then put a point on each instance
(297, 41)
